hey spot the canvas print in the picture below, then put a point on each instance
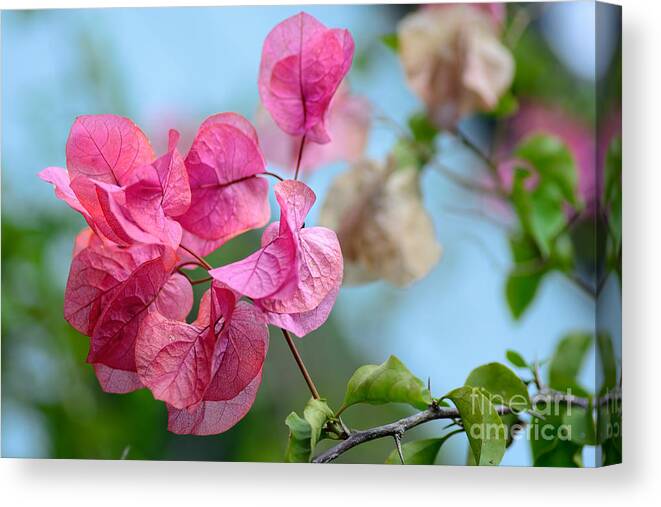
(327, 234)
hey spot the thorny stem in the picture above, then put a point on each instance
(398, 445)
(204, 263)
(201, 280)
(300, 156)
(301, 365)
(434, 412)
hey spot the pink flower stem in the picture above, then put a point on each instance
(202, 262)
(298, 159)
(301, 365)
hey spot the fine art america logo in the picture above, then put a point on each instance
(554, 416)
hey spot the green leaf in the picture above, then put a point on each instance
(581, 425)
(550, 440)
(391, 41)
(316, 413)
(520, 291)
(524, 249)
(562, 253)
(510, 420)
(567, 361)
(565, 455)
(526, 276)
(406, 155)
(502, 384)
(609, 431)
(540, 210)
(298, 445)
(612, 194)
(608, 366)
(506, 107)
(305, 432)
(390, 382)
(554, 162)
(547, 216)
(423, 130)
(420, 452)
(485, 430)
(515, 358)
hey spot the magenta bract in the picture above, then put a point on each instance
(303, 64)
(296, 270)
(223, 165)
(145, 290)
(213, 359)
(150, 218)
(106, 148)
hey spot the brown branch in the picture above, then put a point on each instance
(433, 413)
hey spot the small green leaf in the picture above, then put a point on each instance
(540, 209)
(406, 156)
(516, 359)
(520, 291)
(506, 107)
(562, 253)
(305, 432)
(298, 445)
(423, 130)
(526, 276)
(391, 41)
(390, 382)
(547, 216)
(502, 384)
(485, 430)
(420, 452)
(554, 162)
(316, 413)
(612, 194)
(608, 366)
(567, 361)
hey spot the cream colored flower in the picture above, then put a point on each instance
(454, 61)
(384, 230)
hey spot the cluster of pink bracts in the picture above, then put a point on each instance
(149, 218)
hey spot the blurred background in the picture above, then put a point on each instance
(171, 68)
